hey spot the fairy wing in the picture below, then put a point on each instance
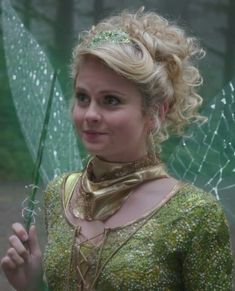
(30, 76)
(206, 154)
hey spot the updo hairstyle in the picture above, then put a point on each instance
(159, 59)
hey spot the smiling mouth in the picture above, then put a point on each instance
(93, 132)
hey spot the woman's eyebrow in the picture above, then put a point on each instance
(105, 91)
(111, 91)
(80, 89)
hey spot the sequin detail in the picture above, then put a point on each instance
(109, 36)
(185, 245)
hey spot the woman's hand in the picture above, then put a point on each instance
(22, 263)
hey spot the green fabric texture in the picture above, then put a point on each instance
(184, 245)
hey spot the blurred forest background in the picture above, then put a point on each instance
(55, 24)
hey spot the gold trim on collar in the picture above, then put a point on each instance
(99, 198)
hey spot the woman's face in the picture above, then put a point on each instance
(108, 114)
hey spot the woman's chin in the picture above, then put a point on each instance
(95, 150)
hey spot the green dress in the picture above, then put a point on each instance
(184, 245)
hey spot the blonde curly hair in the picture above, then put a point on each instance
(159, 59)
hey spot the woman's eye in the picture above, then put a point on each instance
(112, 100)
(82, 98)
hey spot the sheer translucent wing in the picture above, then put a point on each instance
(206, 155)
(30, 75)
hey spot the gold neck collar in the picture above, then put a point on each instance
(104, 186)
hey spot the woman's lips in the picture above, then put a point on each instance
(92, 135)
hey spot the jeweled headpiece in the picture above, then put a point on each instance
(109, 36)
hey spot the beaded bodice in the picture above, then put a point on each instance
(184, 245)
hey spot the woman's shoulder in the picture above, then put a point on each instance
(193, 196)
(194, 213)
(191, 201)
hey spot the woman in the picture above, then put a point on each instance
(124, 223)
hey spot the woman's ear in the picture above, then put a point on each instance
(163, 109)
(157, 116)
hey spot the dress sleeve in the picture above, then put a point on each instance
(208, 261)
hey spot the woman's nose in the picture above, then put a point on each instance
(92, 113)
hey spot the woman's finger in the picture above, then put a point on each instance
(20, 248)
(15, 257)
(33, 241)
(20, 231)
(7, 264)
